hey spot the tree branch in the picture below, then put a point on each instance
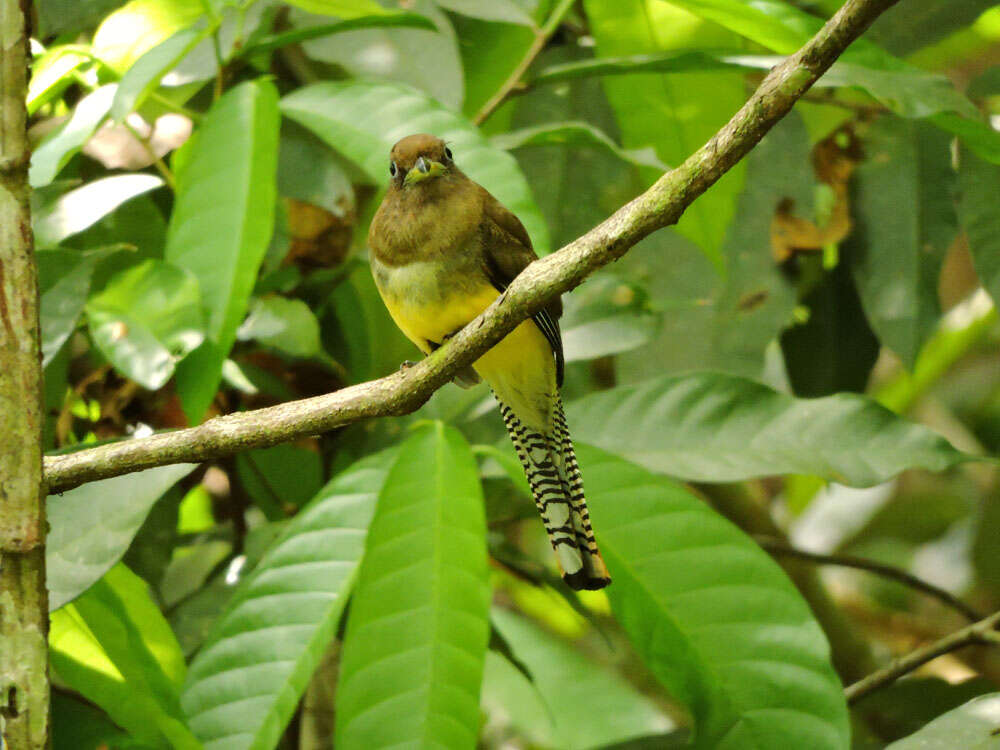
(405, 391)
(982, 632)
(782, 549)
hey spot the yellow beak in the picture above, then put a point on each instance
(422, 170)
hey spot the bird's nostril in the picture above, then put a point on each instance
(423, 166)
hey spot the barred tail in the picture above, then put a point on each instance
(554, 477)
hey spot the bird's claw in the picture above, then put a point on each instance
(406, 364)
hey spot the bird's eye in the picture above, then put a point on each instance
(447, 152)
(392, 168)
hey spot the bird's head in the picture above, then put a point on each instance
(418, 158)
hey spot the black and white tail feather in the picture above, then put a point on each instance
(550, 465)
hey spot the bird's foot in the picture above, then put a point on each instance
(406, 364)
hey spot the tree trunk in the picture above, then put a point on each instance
(24, 682)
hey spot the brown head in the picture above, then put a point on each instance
(416, 158)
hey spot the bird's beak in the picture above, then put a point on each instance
(423, 169)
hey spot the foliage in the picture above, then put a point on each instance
(812, 350)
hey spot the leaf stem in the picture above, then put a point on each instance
(158, 162)
(514, 79)
(782, 549)
(981, 632)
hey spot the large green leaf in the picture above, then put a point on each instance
(245, 682)
(590, 705)
(902, 231)
(113, 647)
(485, 73)
(425, 58)
(340, 8)
(711, 427)
(91, 527)
(286, 324)
(144, 75)
(147, 317)
(297, 36)
(979, 185)
(55, 151)
(83, 207)
(675, 114)
(128, 33)
(971, 727)
(574, 134)
(413, 654)
(222, 221)
(504, 11)
(902, 88)
(734, 318)
(64, 278)
(907, 28)
(712, 615)
(51, 72)
(362, 120)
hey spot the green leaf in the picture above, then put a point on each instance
(57, 16)
(835, 349)
(51, 73)
(675, 114)
(485, 73)
(606, 315)
(85, 206)
(142, 78)
(711, 427)
(297, 36)
(902, 231)
(362, 120)
(502, 11)
(413, 654)
(426, 59)
(309, 172)
(113, 647)
(134, 29)
(591, 706)
(341, 8)
(510, 696)
(77, 725)
(903, 30)
(92, 526)
(145, 319)
(971, 726)
(245, 682)
(726, 323)
(979, 185)
(286, 324)
(712, 615)
(780, 26)
(674, 61)
(55, 151)
(222, 221)
(575, 134)
(64, 278)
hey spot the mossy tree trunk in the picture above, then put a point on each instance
(24, 683)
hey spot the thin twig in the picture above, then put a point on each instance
(514, 79)
(782, 549)
(161, 166)
(403, 392)
(982, 632)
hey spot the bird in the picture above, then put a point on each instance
(442, 249)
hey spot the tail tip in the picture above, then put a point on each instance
(581, 580)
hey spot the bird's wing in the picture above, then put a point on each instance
(507, 251)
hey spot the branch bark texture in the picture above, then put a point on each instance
(24, 686)
(555, 274)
